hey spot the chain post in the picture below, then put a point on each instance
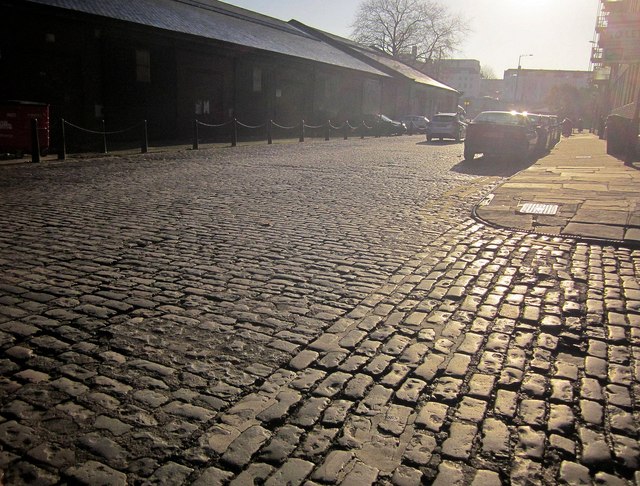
(35, 141)
(104, 137)
(62, 153)
(145, 139)
(195, 135)
(234, 132)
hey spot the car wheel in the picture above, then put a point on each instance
(469, 154)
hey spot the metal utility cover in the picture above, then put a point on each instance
(539, 208)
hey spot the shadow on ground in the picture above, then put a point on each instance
(439, 142)
(493, 166)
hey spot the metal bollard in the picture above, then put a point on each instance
(104, 137)
(62, 153)
(195, 135)
(301, 139)
(234, 132)
(35, 141)
(346, 130)
(269, 134)
(362, 129)
(631, 154)
(327, 130)
(145, 140)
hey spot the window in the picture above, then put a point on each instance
(143, 66)
(501, 118)
(257, 79)
(444, 118)
(372, 96)
(202, 107)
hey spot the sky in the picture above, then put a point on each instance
(556, 32)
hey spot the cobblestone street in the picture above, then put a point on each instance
(317, 313)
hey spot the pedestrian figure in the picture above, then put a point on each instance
(567, 127)
(580, 125)
(601, 127)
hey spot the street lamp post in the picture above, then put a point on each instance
(515, 91)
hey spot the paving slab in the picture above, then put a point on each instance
(598, 195)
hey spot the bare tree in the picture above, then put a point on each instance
(423, 28)
(487, 72)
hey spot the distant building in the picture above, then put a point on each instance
(616, 57)
(494, 88)
(461, 74)
(528, 89)
(521, 89)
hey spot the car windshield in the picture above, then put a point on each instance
(501, 118)
(444, 118)
(536, 118)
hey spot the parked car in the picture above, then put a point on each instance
(556, 131)
(416, 123)
(543, 128)
(446, 125)
(500, 133)
(385, 125)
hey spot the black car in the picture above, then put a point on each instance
(543, 128)
(501, 133)
(384, 125)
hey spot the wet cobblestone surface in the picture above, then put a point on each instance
(325, 313)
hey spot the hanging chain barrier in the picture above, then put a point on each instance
(345, 128)
(144, 141)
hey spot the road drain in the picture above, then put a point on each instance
(538, 208)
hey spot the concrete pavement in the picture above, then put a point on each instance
(594, 195)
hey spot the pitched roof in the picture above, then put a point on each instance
(219, 21)
(379, 57)
(406, 70)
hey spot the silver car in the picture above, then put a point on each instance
(416, 123)
(446, 125)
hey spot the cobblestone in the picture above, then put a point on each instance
(432, 416)
(330, 470)
(276, 314)
(239, 452)
(460, 441)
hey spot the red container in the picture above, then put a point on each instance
(15, 126)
